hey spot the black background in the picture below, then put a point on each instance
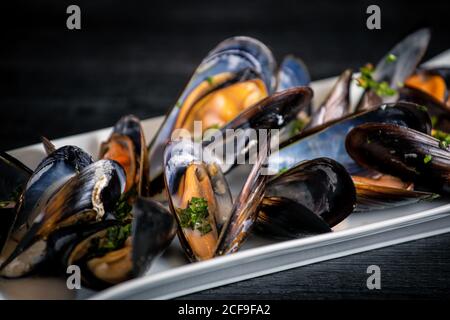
(136, 57)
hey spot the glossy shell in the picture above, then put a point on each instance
(402, 152)
(311, 197)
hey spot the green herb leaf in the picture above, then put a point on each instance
(366, 81)
(210, 80)
(297, 126)
(427, 158)
(195, 216)
(283, 170)
(123, 206)
(434, 121)
(442, 136)
(391, 58)
(115, 239)
(422, 108)
(214, 126)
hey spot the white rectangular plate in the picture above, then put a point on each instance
(172, 276)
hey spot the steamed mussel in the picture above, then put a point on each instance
(403, 152)
(115, 252)
(50, 174)
(209, 222)
(381, 83)
(230, 84)
(88, 196)
(233, 76)
(311, 197)
(14, 176)
(332, 161)
(127, 146)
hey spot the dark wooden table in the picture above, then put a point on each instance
(135, 57)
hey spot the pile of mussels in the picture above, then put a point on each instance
(113, 216)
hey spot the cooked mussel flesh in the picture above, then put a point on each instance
(127, 146)
(88, 196)
(119, 252)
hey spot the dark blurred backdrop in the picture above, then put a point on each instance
(135, 57)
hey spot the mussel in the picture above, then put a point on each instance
(235, 75)
(336, 104)
(292, 73)
(309, 198)
(127, 146)
(328, 140)
(430, 87)
(13, 177)
(50, 174)
(116, 252)
(88, 196)
(210, 224)
(403, 152)
(392, 70)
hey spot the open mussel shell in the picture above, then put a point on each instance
(13, 177)
(430, 88)
(328, 140)
(50, 174)
(434, 82)
(199, 197)
(271, 113)
(292, 73)
(408, 54)
(127, 146)
(44, 256)
(402, 152)
(438, 112)
(209, 223)
(154, 228)
(311, 197)
(118, 252)
(88, 196)
(245, 209)
(235, 75)
(336, 104)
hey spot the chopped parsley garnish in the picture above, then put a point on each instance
(366, 81)
(210, 80)
(283, 170)
(123, 206)
(297, 126)
(443, 137)
(391, 58)
(7, 204)
(178, 104)
(195, 216)
(434, 121)
(422, 108)
(214, 126)
(115, 239)
(427, 158)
